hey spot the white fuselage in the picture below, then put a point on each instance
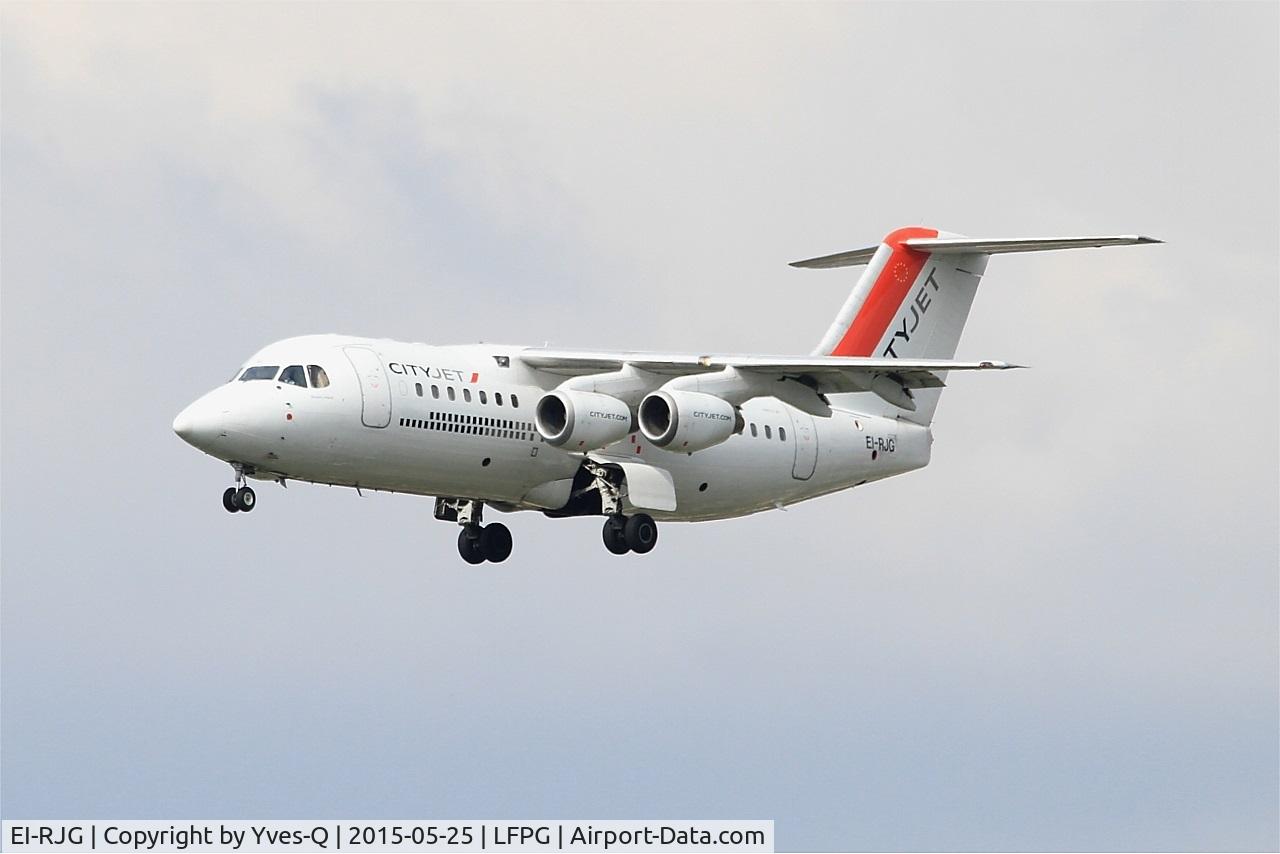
(427, 420)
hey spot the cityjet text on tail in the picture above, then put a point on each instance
(635, 438)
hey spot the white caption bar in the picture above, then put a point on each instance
(368, 837)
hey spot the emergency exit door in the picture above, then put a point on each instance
(806, 437)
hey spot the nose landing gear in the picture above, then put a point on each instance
(239, 497)
(235, 500)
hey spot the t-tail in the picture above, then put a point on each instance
(912, 300)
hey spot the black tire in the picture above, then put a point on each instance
(614, 538)
(229, 500)
(469, 545)
(641, 533)
(495, 542)
(246, 499)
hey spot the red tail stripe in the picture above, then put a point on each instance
(887, 294)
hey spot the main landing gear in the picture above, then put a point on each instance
(599, 490)
(476, 542)
(638, 533)
(622, 534)
(239, 497)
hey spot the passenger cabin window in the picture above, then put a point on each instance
(435, 392)
(515, 402)
(484, 398)
(782, 433)
(260, 372)
(294, 375)
(452, 394)
(418, 387)
(466, 395)
(497, 397)
(768, 432)
(753, 430)
(319, 379)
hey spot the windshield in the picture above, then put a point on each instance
(293, 375)
(260, 372)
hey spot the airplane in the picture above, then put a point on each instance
(634, 437)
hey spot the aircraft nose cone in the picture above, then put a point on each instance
(198, 424)
(184, 425)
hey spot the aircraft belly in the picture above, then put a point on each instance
(466, 466)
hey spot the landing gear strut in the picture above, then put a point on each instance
(239, 497)
(476, 542)
(621, 534)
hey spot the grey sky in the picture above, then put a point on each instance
(1061, 635)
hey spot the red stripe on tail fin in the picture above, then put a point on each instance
(886, 295)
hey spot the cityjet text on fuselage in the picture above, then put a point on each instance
(445, 374)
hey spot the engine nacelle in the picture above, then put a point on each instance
(687, 420)
(581, 420)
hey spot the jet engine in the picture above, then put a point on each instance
(687, 420)
(581, 420)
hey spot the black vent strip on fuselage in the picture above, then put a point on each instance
(472, 425)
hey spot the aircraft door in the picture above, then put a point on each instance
(375, 391)
(806, 443)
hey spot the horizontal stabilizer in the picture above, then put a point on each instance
(840, 259)
(976, 245)
(993, 247)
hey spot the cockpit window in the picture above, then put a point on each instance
(260, 372)
(294, 375)
(319, 379)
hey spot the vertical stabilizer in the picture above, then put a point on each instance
(914, 297)
(908, 304)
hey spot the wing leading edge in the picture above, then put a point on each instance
(822, 374)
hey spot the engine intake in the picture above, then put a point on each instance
(581, 420)
(687, 420)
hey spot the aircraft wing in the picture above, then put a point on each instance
(823, 374)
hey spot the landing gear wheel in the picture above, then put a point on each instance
(641, 533)
(229, 500)
(614, 538)
(469, 544)
(495, 542)
(245, 499)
